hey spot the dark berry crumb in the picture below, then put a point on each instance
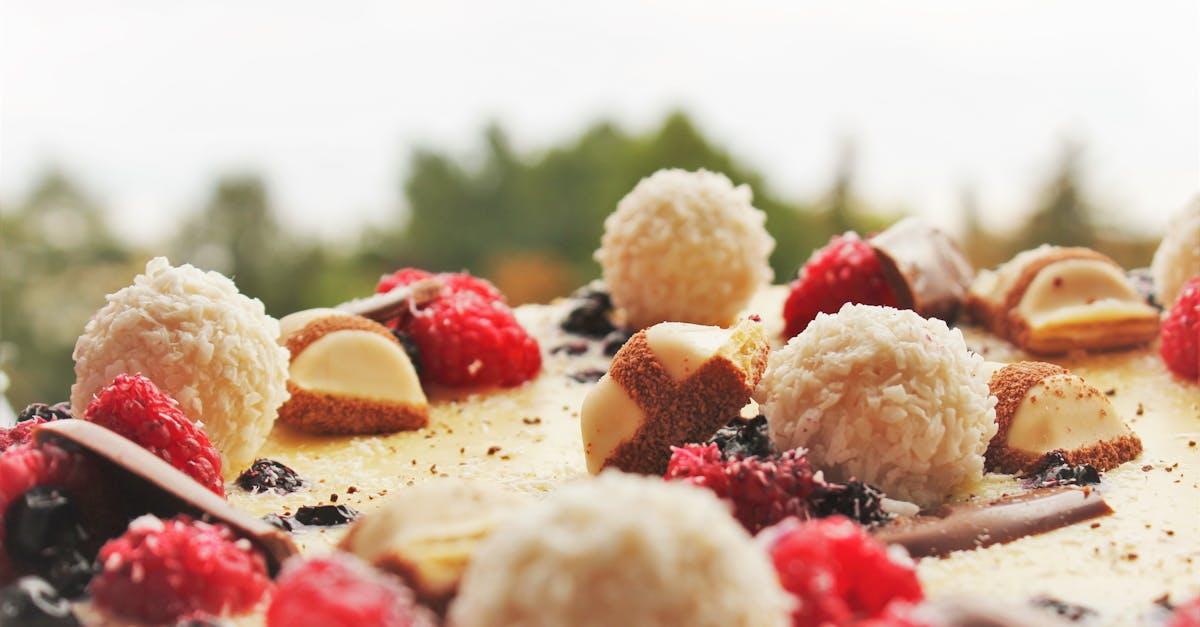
(1054, 470)
(410, 347)
(1068, 611)
(286, 523)
(1143, 282)
(268, 475)
(325, 515)
(570, 348)
(57, 411)
(744, 438)
(589, 317)
(586, 376)
(45, 535)
(33, 602)
(855, 500)
(615, 341)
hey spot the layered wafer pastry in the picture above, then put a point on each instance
(1052, 300)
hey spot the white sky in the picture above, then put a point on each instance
(148, 100)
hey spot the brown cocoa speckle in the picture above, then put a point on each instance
(1095, 525)
(351, 490)
(1140, 410)
(1147, 468)
(333, 498)
(1110, 392)
(532, 421)
(492, 450)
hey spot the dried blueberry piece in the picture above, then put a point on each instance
(589, 317)
(268, 475)
(615, 341)
(1068, 611)
(45, 535)
(855, 500)
(33, 602)
(744, 438)
(570, 348)
(1054, 470)
(586, 376)
(57, 411)
(410, 347)
(1143, 282)
(325, 515)
(286, 523)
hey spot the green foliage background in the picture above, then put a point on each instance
(528, 221)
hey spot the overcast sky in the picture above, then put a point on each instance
(148, 100)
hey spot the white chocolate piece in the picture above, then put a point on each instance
(429, 533)
(1063, 412)
(682, 347)
(358, 363)
(609, 417)
(1075, 291)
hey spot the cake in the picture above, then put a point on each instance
(461, 474)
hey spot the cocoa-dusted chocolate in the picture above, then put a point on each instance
(146, 484)
(925, 268)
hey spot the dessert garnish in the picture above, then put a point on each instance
(1067, 611)
(339, 590)
(766, 490)
(686, 247)
(18, 434)
(328, 515)
(621, 550)
(206, 345)
(1051, 300)
(464, 332)
(427, 534)
(47, 413)
(348, 375)
(591, 314)
(744, 438)
(846, 270)
(838, 574)
(1177, 258)
(967, 526)
(884, 396)
(135, 408)
(32, 602)
(1180, 342)
(142, 483)
(159, 571)
(1042, 408)
(671, 384)
(1054, 470)
(268, 475)
(926, 269)
(910, 265)
(46, 535)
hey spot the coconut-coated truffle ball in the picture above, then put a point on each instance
(200, 341)
(622, 550)
(884, 396)
(685, 247)
(1177, 258)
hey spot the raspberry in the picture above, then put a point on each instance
(466, 335)
(340, 591)
(838, 573)
(135, 408)
(846, 270)
(19, 434)
(764, 491)
(1181, 333)
(161, 570)
(26, 466)
(1186, 615)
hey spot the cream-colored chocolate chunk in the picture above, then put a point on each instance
(925, 268)
(671, 384)
(348, 375)
(1052, 300)
(1042, 408)
(427, 534)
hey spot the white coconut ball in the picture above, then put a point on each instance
(685, 247)
(622, 550)
(200, 341)
(884, 396)
(1177, 258)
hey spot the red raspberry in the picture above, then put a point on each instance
(1181, 333)
(466, 335)
(838, 573)
(340, 591)
(135, 408)
(19, 434)
(763, 491)
(159, 571)
(1186, 615)
(27, 466)
(846, 270)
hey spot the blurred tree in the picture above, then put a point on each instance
(1063, 216)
